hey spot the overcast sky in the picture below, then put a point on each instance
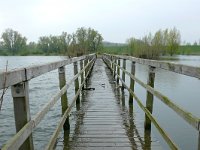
(116, 20)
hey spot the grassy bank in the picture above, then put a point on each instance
(189, 50)
(118, 50)
(125, 50)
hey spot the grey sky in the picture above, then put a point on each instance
(116, 20)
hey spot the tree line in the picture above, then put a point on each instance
(163, 42)
(82, 41)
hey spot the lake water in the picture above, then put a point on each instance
(183, 90)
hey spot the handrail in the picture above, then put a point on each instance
(52, 141)
(23, 74)
(178, 68)
(19, 138)
(187, 116)
(162, 132)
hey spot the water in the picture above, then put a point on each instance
(42, 89)
(183, 90)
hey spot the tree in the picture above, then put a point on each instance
(195, 43)
(13, 41)
(85, 40)
(81, 39)
(65, 40)
(173, 41)
(43, 44)
(152, 46)
(94, 40)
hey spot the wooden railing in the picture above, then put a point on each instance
(113, 62)
(19, 81)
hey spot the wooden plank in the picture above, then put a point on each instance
(187, 116)
(11, 77)
(132, 82)
(165, 136)
(22, 135)
(64, 99)
(149, 98)
(123, 73)
(23, 74)
(53, 139)
(178, 68)
(20, 94)
(101, 123)
(76, 82)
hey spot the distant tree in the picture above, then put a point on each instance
(55, 44)
(188, 44)
(13, 41)
(81, 38)
(85, 40)
(94, 40)
(152, 46)
(32, 46)
(173, 42)
(65, 40)
(158, 43)
(43, 44)
(195, 43)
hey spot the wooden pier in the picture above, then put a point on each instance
(102, 122)
(102, 119)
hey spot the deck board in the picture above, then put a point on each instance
(101, 122)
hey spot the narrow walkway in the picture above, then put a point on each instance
(102, 122)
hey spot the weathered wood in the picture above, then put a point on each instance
(178, 68)
(171, 144)
(76, 82)
(101, 126)
(12, 77)
(22, 111)
(53, 139)
(114, 67)
(111, 64)
(199, 141)
(123, 73)
(24, 74)
(118, 71)
(132, 82)
(187, 116)
(64, 99)
(168, 140)
(16, 141)
(149, 98)
(81, 68)
(85, 63)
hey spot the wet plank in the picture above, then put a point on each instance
(101, 122)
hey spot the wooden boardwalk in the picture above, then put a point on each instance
(102, 121)
(105, 117)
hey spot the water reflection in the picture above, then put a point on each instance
(66, 145)
(199, 142)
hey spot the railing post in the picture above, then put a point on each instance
(114, 73)
(82, 74)
(64, 99)
(20, 94)
(123, 73)
(118, 71)
(149, 99)
(85, 71)
(76, 82)
(111, 63)
(132, 82)
(199, 141)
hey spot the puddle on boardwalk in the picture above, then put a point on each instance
(103, 120)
